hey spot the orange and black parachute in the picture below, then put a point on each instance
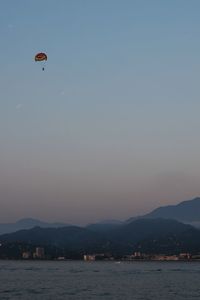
(40, 56)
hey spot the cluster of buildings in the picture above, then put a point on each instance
(38, 254)
(92, 257)
(137, 256)
(159, 257)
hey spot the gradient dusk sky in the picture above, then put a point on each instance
(111, 128)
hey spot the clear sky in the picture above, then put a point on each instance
(111, 128)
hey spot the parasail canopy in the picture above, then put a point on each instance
(40, 56)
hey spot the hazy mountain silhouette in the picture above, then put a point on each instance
(27, 223)
(104, 226)
(173, 243)
(128, 235)
(121, 240)
(186, 211)
(71, 237)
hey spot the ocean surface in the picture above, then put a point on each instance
(79, 280)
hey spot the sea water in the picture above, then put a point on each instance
(79, 280)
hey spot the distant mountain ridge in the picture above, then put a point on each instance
(125, 239)
(164, 230)
(186, 212)
(73, 238)
(27, 223)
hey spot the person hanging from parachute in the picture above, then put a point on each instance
(41, 57)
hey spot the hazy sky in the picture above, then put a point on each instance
(111, 128)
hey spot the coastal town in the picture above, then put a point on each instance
(39, 254)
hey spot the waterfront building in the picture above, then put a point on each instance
(88, 257)
(39, 253)
(26, 255)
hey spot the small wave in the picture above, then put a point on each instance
(75, 271)
(104, 294)
(34, 292)
(35, 269)
(8, 291)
